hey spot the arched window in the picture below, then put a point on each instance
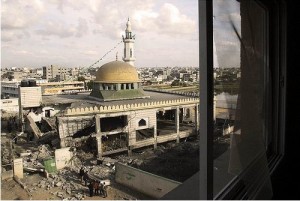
(142, 122)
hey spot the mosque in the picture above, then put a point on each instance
(122, 116)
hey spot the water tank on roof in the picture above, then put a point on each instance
(32, 83)
(24, 83)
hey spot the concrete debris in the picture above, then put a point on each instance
(79, 196)
(28, 169)
(58, 184)
(48, 137)
(104, 160)
(102, 172)
(60, 195)
(69, 191)
(25, 154)
(18, 180)
(137, 162)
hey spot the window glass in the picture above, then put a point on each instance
(240, 88)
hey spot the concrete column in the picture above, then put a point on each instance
(129, 86)
(129, 142)
(129, 151)
(155, 136)
(177, 123)
(124, 86)
(106, 87)
(62, 142)
(98, 136)
(99, 145)
(197, 122)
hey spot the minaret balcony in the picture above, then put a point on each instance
(128, 40)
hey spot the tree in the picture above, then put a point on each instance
(175, 83)
(90, 84)
(81, 78)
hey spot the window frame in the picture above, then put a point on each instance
(276, 47)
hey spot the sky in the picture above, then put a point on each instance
(77, 33)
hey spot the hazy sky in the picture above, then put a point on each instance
(73, 33)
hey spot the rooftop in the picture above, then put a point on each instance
(83, 99)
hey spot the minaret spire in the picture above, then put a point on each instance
(129, 40)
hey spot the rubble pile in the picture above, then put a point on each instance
(68, 188)
(35, 159)
(103, 171)
(114, 144)
(49, 137)
(5, 155)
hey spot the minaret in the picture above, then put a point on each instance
(128, 45)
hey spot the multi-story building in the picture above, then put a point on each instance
(55, 72)
(9, 89)
(52, 88)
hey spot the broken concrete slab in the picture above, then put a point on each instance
(63, 157)
(33, 170)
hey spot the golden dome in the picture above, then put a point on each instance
(117, 72)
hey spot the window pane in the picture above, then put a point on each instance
(241, 91)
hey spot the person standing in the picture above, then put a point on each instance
(96, 187)
(91, 188)
(85, 178)
(81, 173)
(104, 193)
(101, 189)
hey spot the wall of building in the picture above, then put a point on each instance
(30, 96)
(10, 105)
(10, 88)
(150, 184)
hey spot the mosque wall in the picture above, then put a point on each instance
(127, 122)
(136, 117)
(130, 107)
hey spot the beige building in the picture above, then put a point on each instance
(55, 72)
(52, 88)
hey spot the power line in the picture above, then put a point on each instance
(106, 54)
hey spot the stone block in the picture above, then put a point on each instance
(18, 167)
